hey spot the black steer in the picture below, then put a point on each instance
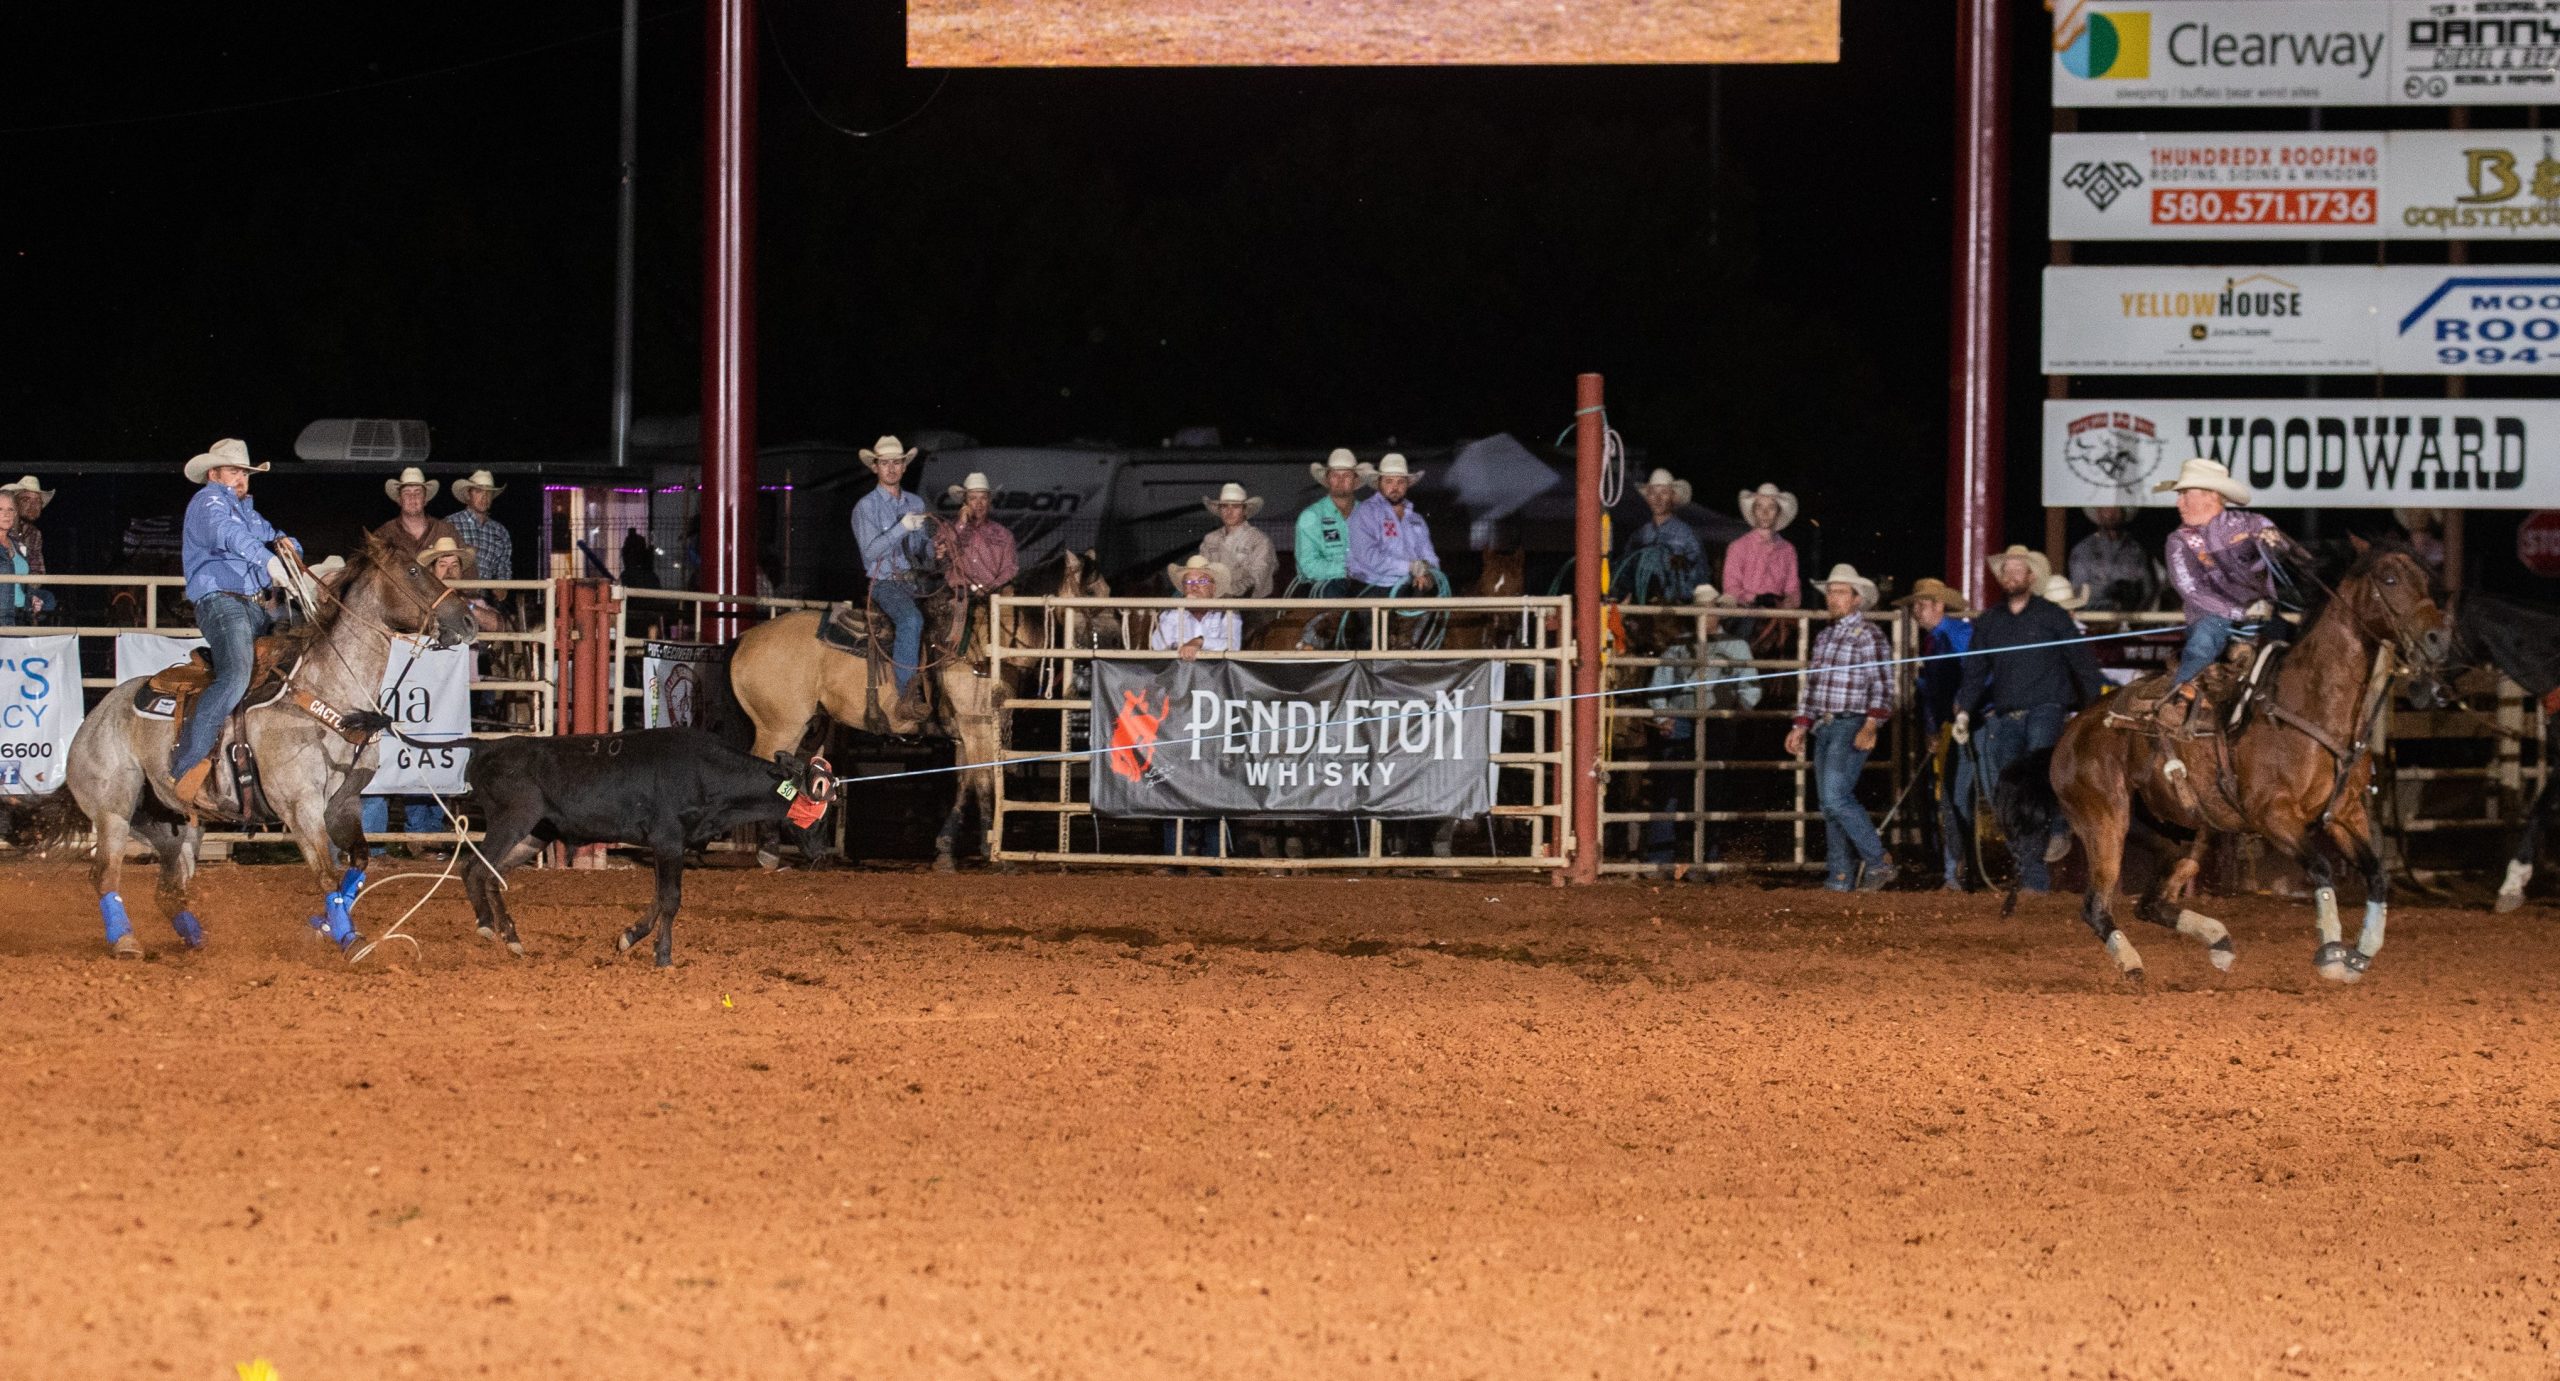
(665, 790)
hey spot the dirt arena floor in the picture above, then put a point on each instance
(883, 1124)
(1261, 33)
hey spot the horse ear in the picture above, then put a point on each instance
(1075, 568)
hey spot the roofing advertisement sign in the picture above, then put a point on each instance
(2296, 319)
(2310, 453)
(2306, 52)
(2401, 185)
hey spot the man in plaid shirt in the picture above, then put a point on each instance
(1847, 698)
(493, 548)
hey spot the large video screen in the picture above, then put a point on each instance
(1366, 33)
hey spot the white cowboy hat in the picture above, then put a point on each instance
(1786, 504)
(1661, 479)
(976, 483)
(2201, 473)
(1232, 493)
(1710, 596)
(224, 452)
(27, 485)
(2409, 519)
(2039, 566)
(1846, 574)
(1219, 575)
(887, 448)
(478, 479)
(1392, 463)
(413, 475)
(1342, 459)
(2058, 589)
(444, 546)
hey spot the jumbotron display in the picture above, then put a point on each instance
(1366, 33)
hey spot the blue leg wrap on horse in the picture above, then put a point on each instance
(341, 924)
(350, 885)
(111, 906)
(190, 930)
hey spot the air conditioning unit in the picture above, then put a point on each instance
(369, 439)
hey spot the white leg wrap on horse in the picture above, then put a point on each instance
(2216, 936)
(2518, 874)
(2121, 950)
(2326, 899)
(2369, 943)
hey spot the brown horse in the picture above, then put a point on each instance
(2295, 775)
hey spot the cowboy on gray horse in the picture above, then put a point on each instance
(227, 547)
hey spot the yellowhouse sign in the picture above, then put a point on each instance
(2302, 319)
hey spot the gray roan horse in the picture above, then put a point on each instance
(314, 747)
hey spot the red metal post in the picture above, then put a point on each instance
(1588, 557)
(729, 311)
(1976, 400)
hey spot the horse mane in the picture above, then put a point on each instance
(316, 624)
(1045, 578)
(2321, 591)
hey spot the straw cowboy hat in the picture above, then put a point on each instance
(2409, 519)
(478, 479)
(1846, 574)
(224, 452)
(1931, 587)
(1220, 577)
(444, 546)
(27, 485)
(976, 483)
(2201, 473)
(887, 448)
(1786, 504)
(2039, 566)
(413, 475)
(1232, 493)
(1392, 463)
(1710, 596)
(2059, 590)
(1661, 479)
(1342, 459)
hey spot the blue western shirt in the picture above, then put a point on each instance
(888, 549)
(226, 544)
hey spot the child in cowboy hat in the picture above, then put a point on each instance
(1238, 544)
(2221, 562)
(1760, 566)
(1675, 543)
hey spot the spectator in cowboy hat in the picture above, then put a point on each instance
(1760, 566)
(1942, 614)
(2111, 562)
(1187, 632)
(492, 547)
(1391, 549)
(227, 546)
(977, 552)
(1848, 696)
(1322, 545)
(889, 524)
(1673, 544)
(1238, 544)
(20, 601)
(24, 535)
(413, 531)
(1700, 651)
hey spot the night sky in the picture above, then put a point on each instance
(1296, 257)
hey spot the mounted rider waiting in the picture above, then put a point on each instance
(2221, 562)
(977, 553)
(227, 546)
(890, 523)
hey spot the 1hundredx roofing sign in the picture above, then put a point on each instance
(2296, 319)
(2306, 52)
(2402, 185)
(2310, 453)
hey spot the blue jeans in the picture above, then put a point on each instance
(1955, 811)
(2206, 639)
(419, 815)
(231, 625)
(898, 600)
(2002, 739)
(1848, 835)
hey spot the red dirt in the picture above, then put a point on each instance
(1263, 33)
(885, 1124)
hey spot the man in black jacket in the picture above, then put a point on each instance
(2023, 695)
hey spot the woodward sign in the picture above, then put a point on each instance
(1392, 740)
(2306, 52)
(2308, 453)
(2364, 185)
(2301, 319)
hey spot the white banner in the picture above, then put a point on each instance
(2305, 52)
(39, 711)
(430, 698)
(2403, 185)
(148, 654)
(2400, 319)
(2309, 453)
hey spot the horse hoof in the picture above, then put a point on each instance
(190, 930)
(768, 860)
(348, 942)
(516, 948)
(488, 934)
(622, 944)
(2331, 962)
(2222, 955)
(2509, 901)
(126, 947)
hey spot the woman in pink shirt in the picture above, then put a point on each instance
(1760, 562)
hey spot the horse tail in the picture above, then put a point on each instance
(2026, 806)
(48, 825)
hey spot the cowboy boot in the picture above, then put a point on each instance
(189, 788)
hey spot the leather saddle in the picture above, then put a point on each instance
(172, 692)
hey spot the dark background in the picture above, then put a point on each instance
(1756, 257)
